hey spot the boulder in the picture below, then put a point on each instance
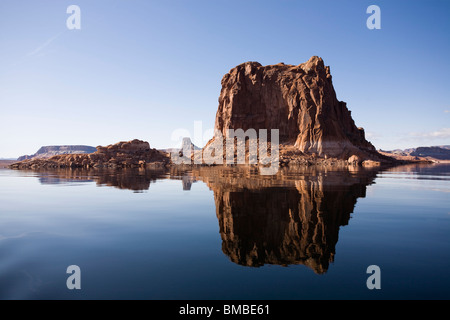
(354, 160)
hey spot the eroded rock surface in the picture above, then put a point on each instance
(299, 101)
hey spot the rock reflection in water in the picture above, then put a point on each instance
(137, 180)
(292, 217)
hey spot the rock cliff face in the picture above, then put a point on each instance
(299, 101)
(129, 154)
(50, 151)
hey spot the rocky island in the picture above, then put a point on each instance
(298, 100)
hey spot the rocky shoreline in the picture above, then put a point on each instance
(138, 154)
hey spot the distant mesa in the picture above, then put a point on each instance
(435, 153)
(50, 151)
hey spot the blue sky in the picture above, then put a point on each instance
(145, 69)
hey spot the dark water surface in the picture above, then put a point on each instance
(223, 233)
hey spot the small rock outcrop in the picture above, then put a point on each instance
(125, 154)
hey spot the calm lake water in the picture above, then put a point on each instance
(223, 233)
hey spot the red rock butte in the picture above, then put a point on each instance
(299, 101)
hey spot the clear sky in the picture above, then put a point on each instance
(145, 69)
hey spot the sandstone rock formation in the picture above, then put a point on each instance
(300, 102)
(130, 154)
(50, 151)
